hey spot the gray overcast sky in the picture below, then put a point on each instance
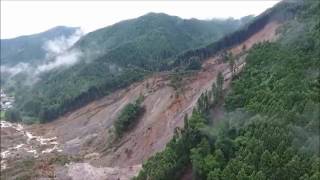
(28, 17)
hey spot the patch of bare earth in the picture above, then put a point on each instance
(87, 132)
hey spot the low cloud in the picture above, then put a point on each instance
(58, 54)
(66, 59)
(62, 43)
(58, 50)
(21, 67)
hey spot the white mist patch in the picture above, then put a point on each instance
(66, 59)
(62, 43)
(15, 69)
(58, 54)
(58, 50)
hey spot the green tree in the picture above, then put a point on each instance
(232, 65)
(198, 155)
(214, 175)
(12, 115)
(259, 176)
(220, 157)
(220, 81)
(293, 168)
(265, 163)
(242, 175)
(128, 116)
(214, 92)
(194, 64)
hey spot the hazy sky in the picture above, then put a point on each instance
(28, 17)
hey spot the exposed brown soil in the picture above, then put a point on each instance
(87, 132)
(268, 33)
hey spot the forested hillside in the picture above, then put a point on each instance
(163, 98)
(161, 35)
(30, 48)
(114, 57)
(271, 130)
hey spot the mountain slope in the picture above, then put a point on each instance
(116, 56)
(169, 32)
(271, 133)
(31, 48)
(271, 127)
(87, 132)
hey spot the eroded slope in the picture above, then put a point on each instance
(87, 132)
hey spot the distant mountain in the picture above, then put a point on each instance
(31, 48)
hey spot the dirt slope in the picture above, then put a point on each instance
(86, 132)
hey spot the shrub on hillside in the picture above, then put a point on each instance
(128, 116)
